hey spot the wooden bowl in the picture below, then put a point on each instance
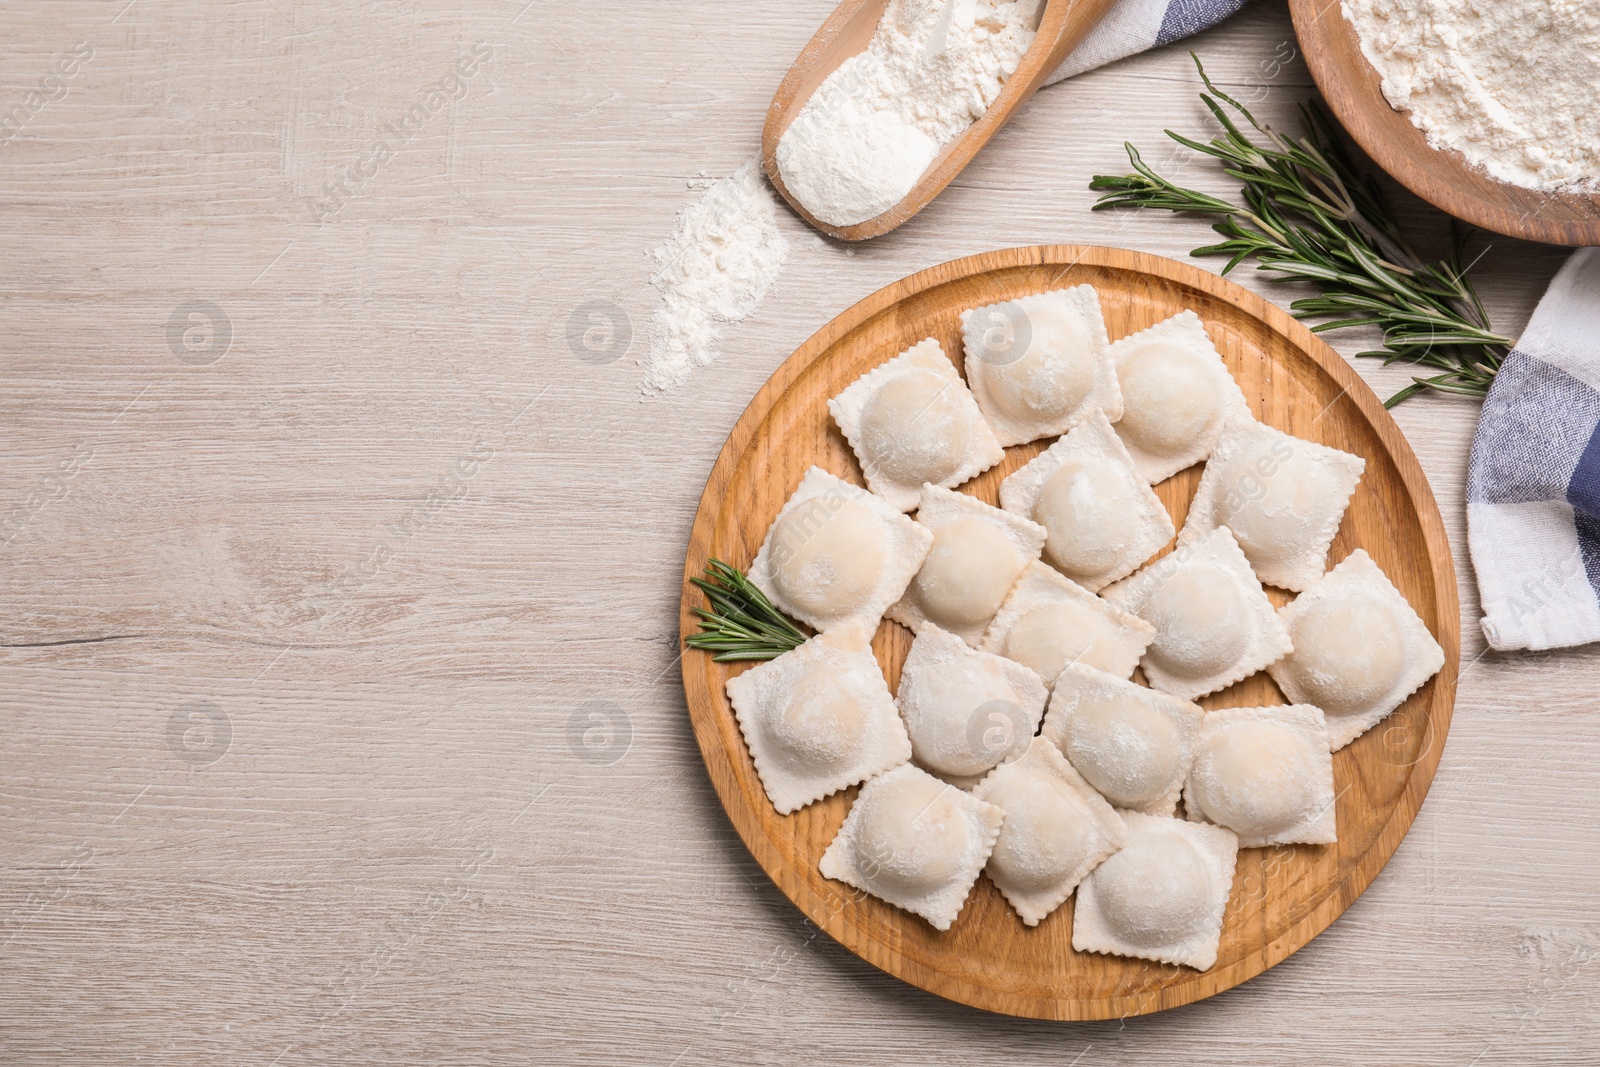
(1445, 179)
(847, 32)
(1282, 897)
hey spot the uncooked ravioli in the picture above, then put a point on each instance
(1177, 394)
(1282, 497)
(1045, 383)
(965, 710)
(1213, 622)
(1083, 505)
(1162, 896)
(1101, 518)
(827, 560)
(1276, 490)
(837, 555)
(1350, 653)
(1157, 890)
(911, 421)
(1131, 743)
(819, 718)
(1049, 621)
(1128, 750)
(978, 553)
(1038, 365)
(912, 838)
(912, 428)
(1266, 774)
(1171, 399)
(915, 842)
(1051, 636)
(1201, 620)
(1057, 829)
(967, 574)
(1359, 648)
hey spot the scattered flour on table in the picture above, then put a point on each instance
(714, 270)
(869, 131)
(1511, 84)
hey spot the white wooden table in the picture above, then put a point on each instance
(298, 618)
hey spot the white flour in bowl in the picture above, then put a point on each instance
(869, 131)
(1513, 85)
(715, 269)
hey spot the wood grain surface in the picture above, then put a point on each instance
(1282, 897)
(415, 844)
(1354, 92)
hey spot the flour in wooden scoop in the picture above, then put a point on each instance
(863, 140)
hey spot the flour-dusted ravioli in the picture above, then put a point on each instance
(1057, 830)
(1038, 365)
(965, 710)
(1176, 395)
(1162, 896)
(1214, 623)
(1266, 774)
(1133, 744)
(1100, 516)
(837, 554)
(915, 842)
(1359, 649)
(1282, 497)
(978, 553)
(912, 420)
(1049, 621)
(819, 719)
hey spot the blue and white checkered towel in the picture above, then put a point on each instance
(1533, 484)
(1136, 25)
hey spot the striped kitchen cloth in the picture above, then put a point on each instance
(1136, 25)
(1533, 483)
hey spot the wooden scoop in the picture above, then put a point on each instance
(1063, 24)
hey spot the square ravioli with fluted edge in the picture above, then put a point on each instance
(837, 554)
(912, 420)
(914, 842)
(1283, 497)
(1133, 744)
(1038, 365)
(1100, 516)
(1360, 648)
(1176, 394)
(1161, 897)
(1214, 623)
(1057, 830)
(1050, 621)
(977, 555)
(1266, 774)
(965, 710)
(819, 718)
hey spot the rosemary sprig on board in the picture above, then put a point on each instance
(1307, 214)
(742, 623)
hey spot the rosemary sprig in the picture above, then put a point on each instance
(1307, 214)
(742, 623)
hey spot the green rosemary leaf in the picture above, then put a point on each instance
(1306, 213)
(741, 623)
(1338, 324)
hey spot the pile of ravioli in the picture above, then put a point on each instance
(1018, 743)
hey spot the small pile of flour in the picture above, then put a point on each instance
(870, 130)
(723, 255)
(1510, 84)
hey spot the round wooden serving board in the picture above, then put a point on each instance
(1282, 897)
(1445, 179)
